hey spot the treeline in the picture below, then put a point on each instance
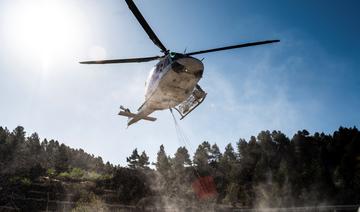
(30, 157)
(269, 170)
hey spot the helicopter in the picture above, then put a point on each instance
(173, 81)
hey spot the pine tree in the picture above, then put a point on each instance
(162, 162)
(215, 155)
(201, 157)
(62, 159)
(143, 160)
(229, 154)
(133, 160)
(182, 158)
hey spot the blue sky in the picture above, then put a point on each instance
(310, 80)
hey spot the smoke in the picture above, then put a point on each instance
(270, 194)
(92, 203)
(174, 192)
(274, 195)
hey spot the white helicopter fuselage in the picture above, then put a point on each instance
(170, 82)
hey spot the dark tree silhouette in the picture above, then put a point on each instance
(162, 162)
(270, 169)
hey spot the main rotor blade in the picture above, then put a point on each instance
(145, 25)
(128, 60)
(233, 47)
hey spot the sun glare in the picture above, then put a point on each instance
(43, 29)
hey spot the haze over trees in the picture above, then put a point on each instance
(268, 170)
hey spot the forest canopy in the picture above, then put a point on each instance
(269, 169)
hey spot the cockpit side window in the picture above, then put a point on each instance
(162, 64)
(158, 67)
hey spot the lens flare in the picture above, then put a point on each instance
(42, 29)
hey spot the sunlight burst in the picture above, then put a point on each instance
(42, 29)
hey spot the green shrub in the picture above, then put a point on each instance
(92, 175)
(51, 172)
(64, 175)
(77, 173)
(25, 181)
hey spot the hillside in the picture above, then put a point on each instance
(269, 170)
